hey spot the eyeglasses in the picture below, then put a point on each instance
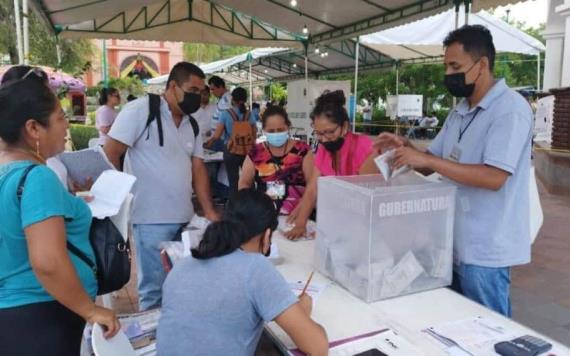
(37, 72)
(329, 134)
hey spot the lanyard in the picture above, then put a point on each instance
(468, 124)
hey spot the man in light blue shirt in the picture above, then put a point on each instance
(485, 149)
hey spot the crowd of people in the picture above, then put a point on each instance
(45, 292)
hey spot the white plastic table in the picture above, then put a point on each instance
(343, 315)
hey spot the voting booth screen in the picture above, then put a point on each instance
(385, 239)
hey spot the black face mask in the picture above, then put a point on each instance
(333, 146)
(455, 84)
(191, 103)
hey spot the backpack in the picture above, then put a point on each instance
(154, 114)
(242, 138)
(112, 265)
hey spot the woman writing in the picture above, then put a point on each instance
(279, 167)
(233, 289)
(46, 294)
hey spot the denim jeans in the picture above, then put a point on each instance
(484, 285)
(150, 271)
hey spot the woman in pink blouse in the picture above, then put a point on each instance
(340, 153)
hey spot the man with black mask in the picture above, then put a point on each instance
(165, 169)
(484, 149)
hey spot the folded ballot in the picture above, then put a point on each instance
(384, 164)
(109, 192)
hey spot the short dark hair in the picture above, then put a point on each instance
(182, 71)
(248, 214)
(477, 41)
(217, 82)
(20, 101)
(19, 71)
(331, 105)
(239, 96)
(272, 111)
(105, 93)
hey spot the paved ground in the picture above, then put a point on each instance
(540, 290)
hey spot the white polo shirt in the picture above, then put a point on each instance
(163, 189)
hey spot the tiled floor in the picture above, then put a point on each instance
(540, 290)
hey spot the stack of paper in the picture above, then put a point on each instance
(109, 192)
(475, 336)
(85, 164)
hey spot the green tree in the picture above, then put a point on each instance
(76, 55)
(206, 53)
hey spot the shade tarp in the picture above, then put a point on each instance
(224, 64)
(424, 38)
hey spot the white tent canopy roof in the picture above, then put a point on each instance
(221, 65)
(424, 38)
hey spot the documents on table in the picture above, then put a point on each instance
(109, 192)
(386, 341)
(87, 163)
(314, 290)
(140, 328)
(473, 336)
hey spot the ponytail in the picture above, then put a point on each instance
(220, 239)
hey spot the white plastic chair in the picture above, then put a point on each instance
(93, 142)
(122, 222)
(118, 345)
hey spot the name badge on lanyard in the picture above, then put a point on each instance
(455, 153)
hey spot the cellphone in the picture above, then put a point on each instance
(371, 352)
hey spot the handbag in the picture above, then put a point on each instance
(112, 265)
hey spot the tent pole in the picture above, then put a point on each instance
(467, 12)
(19, 32)
(250, 88)
(105, 69)
(26, 32)
(357, 59)
(457, 16)
(538, 71)
(397, 78)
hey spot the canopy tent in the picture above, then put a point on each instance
(424, 38)
(284, 65)
(257, 23)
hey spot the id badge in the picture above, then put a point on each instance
(455, 154)
(276, 190)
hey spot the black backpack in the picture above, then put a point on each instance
(154, 114)
(112, 265)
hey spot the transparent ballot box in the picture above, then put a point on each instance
(385, 239)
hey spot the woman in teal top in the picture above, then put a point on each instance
(46, 294)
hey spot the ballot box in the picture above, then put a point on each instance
(385, 239)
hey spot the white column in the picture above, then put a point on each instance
(564, 11)
(554, 36)
(19, 31)
(26, 32)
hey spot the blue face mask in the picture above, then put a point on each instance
(277, 139)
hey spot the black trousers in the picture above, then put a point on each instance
(233, 164)
(45, 329)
